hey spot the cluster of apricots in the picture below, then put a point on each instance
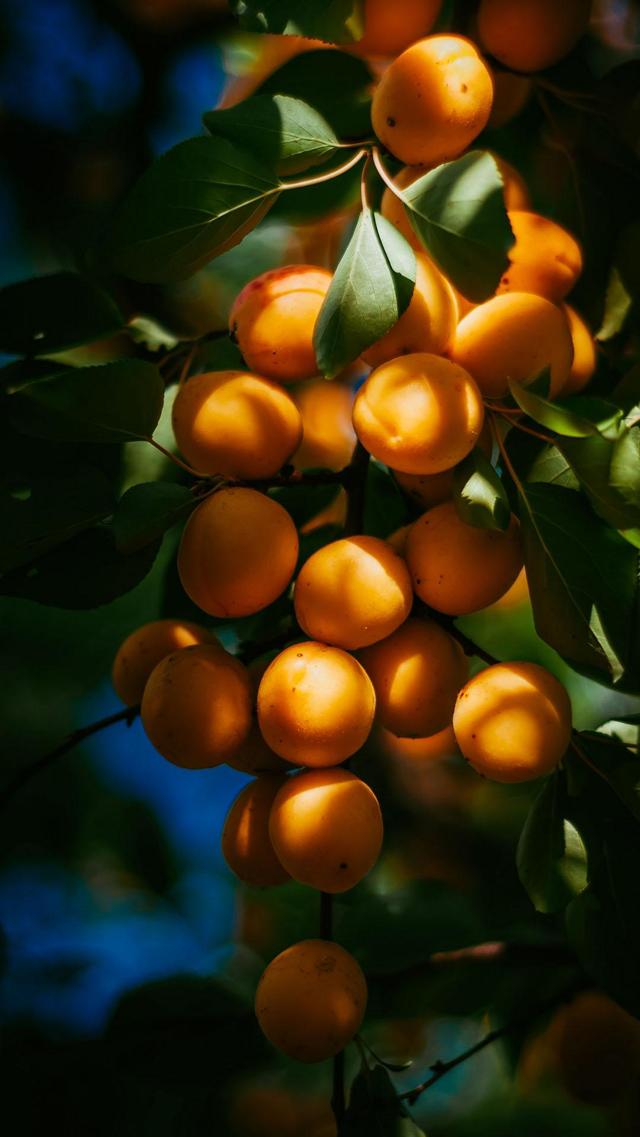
(376, 614)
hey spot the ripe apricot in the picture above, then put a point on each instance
(352, 592)
(398, 539)
(435, 746)
(196, 706)
(433, 100)
(419, 413)
(143, 649)
(416, 674)
(329, 437)
(246, 845)
(457, 568)
(238, 552)
(311, 1000)
(511, 94)
(531, 35)
(263, 1111)
(427, 490)
(236, 424)
(597, 1048)
(584, 353)
(513, 722)
(514, 336)
(392, 208)
(254, 755)
(545, 258)
(516, 194)
(390, 28)
(273, 318)
(429, 322)
(326, 828)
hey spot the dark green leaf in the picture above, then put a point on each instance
(116, 402)
(624, 471)
(51, 313)
(575, 417)
(147, 511)
(220, 354)
(375, 1109)
(338, 21)
(197, 200)
(551, 857)
(591, 459)
(303, 503)
(335, 84)
(386, 508)
(549, 465)
(616, 309)
(478, 493)
(286, 133)
(370, 290)
(458, 212)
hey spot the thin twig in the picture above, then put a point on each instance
(174, 458)
(329, 176)
(384, 174)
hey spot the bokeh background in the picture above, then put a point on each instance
(129, 954)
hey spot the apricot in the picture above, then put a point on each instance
(263, 1111)
(196, 706)
(457, 568)
(273, 318)
(398, 539)
(236, 424)
(416, 674)
(511, 93)
(352, 592)
(143, 649)
(273, 51)
(545, 258)
(254, 755)
(419, 413)
(238, 552)
(326, 828)
(246, 845)
(531, 35)
(597, 1048)
(392, 208)
(420, 750)
(429, 322)
(315, 705)
(433, 100)
(515, 336)
(516, 194)
(329, 437)
(584, 353)
(427, 490)
(390, 28)
(311, 1000)
(512, 722)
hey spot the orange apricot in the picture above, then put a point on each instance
(429, 322)
(511, 93)
(196, 706)
(263, 1110)
(515, 336)
(352, 592)
(416, 674)
(236, 424)
(427, 490)
(390, 28)
(315, 704)
(584, 353)
(435, 746)
(238, 552)
(326, 828)
(246, 845)
(457, 568)
(545, 258)
(398, 539)
(512, 722)
(143, 649)
(273, 318)
(393, 209)
(433, 100)
(254, 755)
(329, 438)
(596, 1045)
(515, 192)
(419, 413)
(531, 35)
(311, 1000)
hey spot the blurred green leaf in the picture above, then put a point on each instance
(551, 857)
(286, 133)
(478, 493)
(616, 308)
(304, 503)
(51, 313)
(335, 20)
(337, 85)
(385, 508)
(151, 334)
(146, 511)
(576, 417)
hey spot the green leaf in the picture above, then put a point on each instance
(194, 202)
(371, 288)
(303, 504)
(335, 84)
(116, 402)
(577, 417)
(375, 1109)
(286, 133)
(386, 508)
(337, 21)
(478, 493)
(151, 334)
(146, 511)
(458, 212)
(624, 469)
(610, 492)
(616, 308)
(51, 313)
(551, 857)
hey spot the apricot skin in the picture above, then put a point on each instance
(531, 35)
(329, 437)
(196, 706)
(545, 259)
(326, 828)
(420, 750)
(145, 648)
(416, 673)
(311, 1000)
(246, 845)
(429, 322)
(352, 592)
(238, 552)
(597, 1048)
(511, 94)
(390, 28)
(457, 568)
(419, 414)
(513, 722)
(427, 490)
(236, 424)
(514, 336)
(584, 353)
(315, 705)
(273, 318)
(433, 100)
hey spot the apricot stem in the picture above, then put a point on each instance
(174, 458)
(303, 183)
(386, 177)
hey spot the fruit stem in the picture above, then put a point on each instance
(386, 177)
(304, 183)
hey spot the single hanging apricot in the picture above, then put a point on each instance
(531, 35)
(390, 28)
(143, 649)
